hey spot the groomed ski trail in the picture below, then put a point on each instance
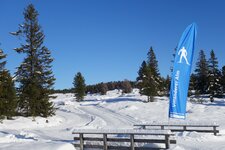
(112, 119)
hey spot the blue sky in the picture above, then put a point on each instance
(107, 40)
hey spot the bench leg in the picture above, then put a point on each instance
(167, 139)
(214, 130)
(105, 141)
(143, 127)
(81, 141)
(132, 142)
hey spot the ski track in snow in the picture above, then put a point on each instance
(128, 118)
(94, 117)
(112, 119)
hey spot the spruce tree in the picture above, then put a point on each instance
(142, 78)
(2, 63)
(155, 80)
(192, 85)
(223, 78)
(141, 74)
(34, 74)
(153, 63)
(7, 95)
(214, 77)
(8, 101)
(79, 87)
(201, 74)
(149, 80)
(166, 85)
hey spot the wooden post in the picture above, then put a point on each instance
(143, 126)
(167, 139)
(162, 127)
(214, 130)
(81, 141)
(132, 141)
(185, 128)
(105, 142)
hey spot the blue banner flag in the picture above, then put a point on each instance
(181, 73)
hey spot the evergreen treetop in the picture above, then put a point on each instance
(152, 62)
(79, 86)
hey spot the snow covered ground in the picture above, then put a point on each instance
(111, 111)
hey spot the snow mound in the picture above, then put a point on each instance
(31, 123)
(11, 138)
(178, 148)
(66, 147)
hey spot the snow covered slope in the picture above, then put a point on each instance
(111, 111)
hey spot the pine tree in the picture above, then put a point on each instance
(192, 84)
(2, 63)
(126, 86)
(79, 87)
(141, 74)
(166, 85)
(149, 80)
(7, 95)
(155, 80)
(201, 74)
(142, 77)
(34, 74)
(223, 78)
(8, 100)
(153, 63)
(214, 77)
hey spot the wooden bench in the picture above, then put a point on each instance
(180, 127)
(116, 139)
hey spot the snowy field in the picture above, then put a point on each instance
(111, 111)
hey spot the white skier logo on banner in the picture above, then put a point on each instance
(183, 54)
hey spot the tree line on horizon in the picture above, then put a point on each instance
(125, 86)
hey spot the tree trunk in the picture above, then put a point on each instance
(148, 98)
(151, 98)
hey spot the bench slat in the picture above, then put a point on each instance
(191, 127)
(119, 147)
(127, 132)
(192, 130)
(178, 125)
(126, 140)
